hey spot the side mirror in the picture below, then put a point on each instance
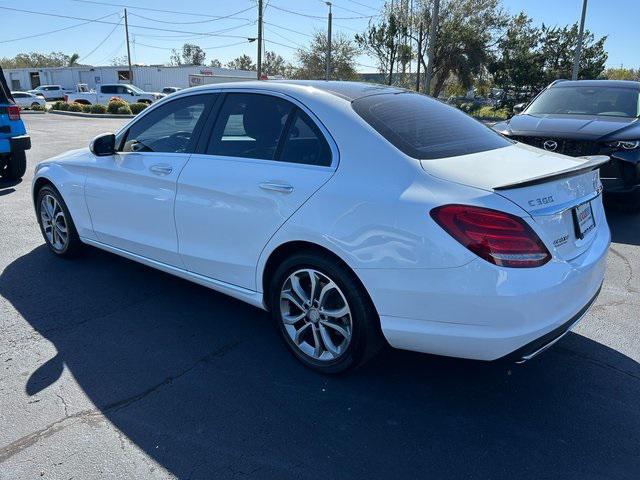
(518, 108)
(103, 145)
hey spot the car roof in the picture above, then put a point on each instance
(597, 83)
(346, 90)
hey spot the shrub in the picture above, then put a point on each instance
(468, 107)
(39, 108)
(124, 110)
(60, 105)
(115, 104)
(86, 108)
(75, 107)
(136, 108)
(490, 112)
(97, 108)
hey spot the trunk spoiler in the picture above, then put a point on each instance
(592, 162)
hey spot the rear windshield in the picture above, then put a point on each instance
(424, 128)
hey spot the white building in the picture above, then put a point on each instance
(148, 78)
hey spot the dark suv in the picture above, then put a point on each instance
(588, 117)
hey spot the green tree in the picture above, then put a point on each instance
(311, 62)
(519, 63)
(192, 54)
(34, 59)
(383, 40)
(274, 64)
(215, 63)
(73, 60)
(558, 47)
(621, 74)
(243, 62)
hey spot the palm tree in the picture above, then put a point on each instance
(73, 60)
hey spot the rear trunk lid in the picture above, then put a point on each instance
(560, 193)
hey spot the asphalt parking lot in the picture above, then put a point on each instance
(109, 369)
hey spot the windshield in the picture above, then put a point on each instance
(424, 128)
(605, 101)
(136, 89)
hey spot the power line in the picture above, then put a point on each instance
(133, 7)
(102, 42)
(173, 22)
(293, 12)
(57, 15)
(284, 38)
(56, 31)
(363, 5)
(202, 35)
(214, 47)
(289, 29)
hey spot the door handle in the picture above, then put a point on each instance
(161, 169)
(276, 187)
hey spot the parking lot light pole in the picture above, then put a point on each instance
(576, 58)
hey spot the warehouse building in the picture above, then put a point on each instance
(149, 78)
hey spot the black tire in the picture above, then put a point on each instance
(34, 104)
(73, 245)
(16, 166)
(366, 337)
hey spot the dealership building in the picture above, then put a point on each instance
(149, 78)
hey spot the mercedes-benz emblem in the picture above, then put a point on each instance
(550, 145)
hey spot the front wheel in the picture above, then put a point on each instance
(16, 166)
(324, 315)
(56, 224)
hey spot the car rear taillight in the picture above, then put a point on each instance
(14, 112)
(498, 237)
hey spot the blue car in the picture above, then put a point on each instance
(14, 140)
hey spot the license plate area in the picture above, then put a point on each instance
(583, 219)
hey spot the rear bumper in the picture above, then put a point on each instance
(18, 143)
(483, 312)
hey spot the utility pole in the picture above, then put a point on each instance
(576, 58)
(432, 45)
(259, 40)
(327, 75)
(126, 32)
(419, 53)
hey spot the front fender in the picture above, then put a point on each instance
(69, 180)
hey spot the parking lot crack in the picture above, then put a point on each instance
(32, 438)
(597, 362)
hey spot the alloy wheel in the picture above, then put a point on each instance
(315, 315)
(54, 223)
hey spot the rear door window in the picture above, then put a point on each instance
(249, 125)
(425, 128)
(305, 143)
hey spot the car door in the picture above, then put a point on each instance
(126, 94)
(265, 157)
(131, 194)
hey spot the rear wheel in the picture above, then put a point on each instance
(323, 313)
(56, 224)
(16, 166)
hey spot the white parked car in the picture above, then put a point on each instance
(28, 100)
(50, 92)
(104, 93)
(354, 213)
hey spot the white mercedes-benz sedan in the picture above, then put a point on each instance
(355, 213)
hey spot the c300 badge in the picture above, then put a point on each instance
(537, 202)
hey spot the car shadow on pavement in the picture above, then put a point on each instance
(201, 383)
(625, 227)
(6, 186)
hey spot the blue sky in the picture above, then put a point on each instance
(98, 43)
